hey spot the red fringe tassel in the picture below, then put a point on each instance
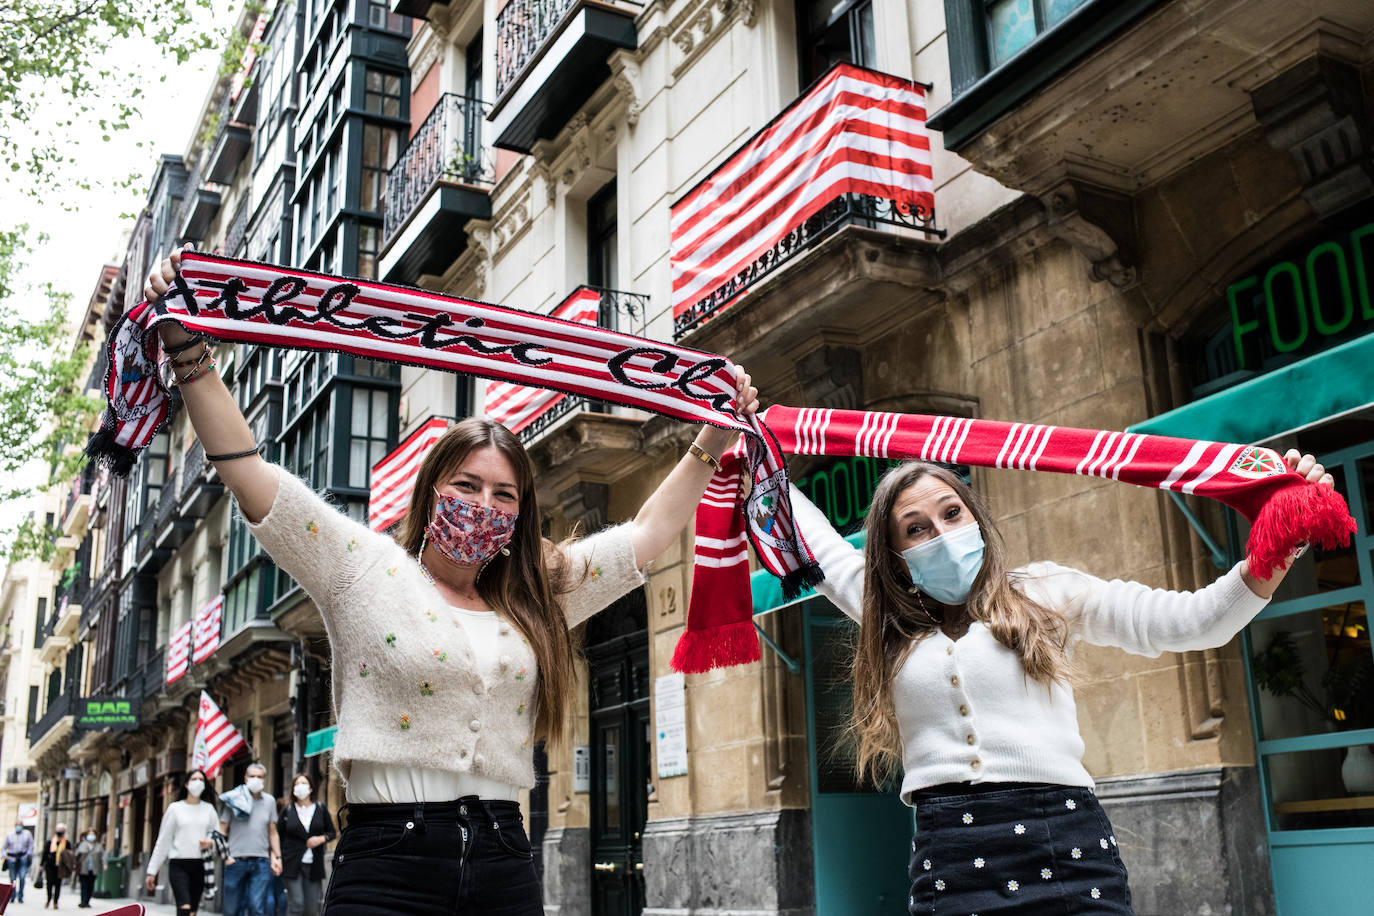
(1311, 513)
(718, 647)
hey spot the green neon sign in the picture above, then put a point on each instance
(1294, 302)
(100, 713)
(843, 489)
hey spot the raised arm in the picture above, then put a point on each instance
(216, 418)
(673, 505)
(841, 561)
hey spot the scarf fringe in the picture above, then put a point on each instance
(798, 580)
(718, 647)
(102, 448)
(1315, 514)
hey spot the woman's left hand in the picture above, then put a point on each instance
(1308, 466)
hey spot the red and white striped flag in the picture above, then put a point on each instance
(394, 476)
(517, 406)
(179, 652)
(216, 739)
(207, 630)
(855, 131)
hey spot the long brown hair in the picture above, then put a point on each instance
(893, 621)
(525, 586)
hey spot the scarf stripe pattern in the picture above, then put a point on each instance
(1283, 507)
(248, 302)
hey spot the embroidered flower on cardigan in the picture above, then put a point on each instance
(596, 573)
(405, 723)
(520, 710)
(1013, 885)
(426, 689)
(968, 818)
(926, 865)
(1046, 874)
(352, 544)
(312, 529)
(939, 884)
(1019, 829)
(441, 655)
(1097, 894)
(521, 675)
(391, 571)
(1103, 842)
(1076, 853)
(978, 862)
(1070, 804)
(433, 617)
(363, 670)
(391, 639)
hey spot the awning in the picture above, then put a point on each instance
(767, 588)
(320, 741)
(1327, 384)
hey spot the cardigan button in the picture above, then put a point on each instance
(949, 650)
(504, 629)
(971, 739)
(963, 710)
(977, 764)
(954, 681)
(478, 689)
(479, 760)
(504, 661)
(475, 725)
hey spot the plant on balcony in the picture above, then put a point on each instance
(462, 165)
(70, 575)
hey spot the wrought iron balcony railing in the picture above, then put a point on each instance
(192, 468)
(447, 147)
(522, 27)
(59, 707)
(845, 210)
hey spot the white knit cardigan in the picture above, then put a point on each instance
(966, 709)
(407, 691)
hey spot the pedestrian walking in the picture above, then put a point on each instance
(90, 862)
(248, 816)
(961, 679)
(59, 862)
(304, 826)
(451, 644)
(187, 831)
(18, 858)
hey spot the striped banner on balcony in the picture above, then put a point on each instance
(179, 652)
(517, 406)
(854, 131)
(394, 476)
(207, 627)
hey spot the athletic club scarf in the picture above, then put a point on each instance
(248, 302)
(1284, 508)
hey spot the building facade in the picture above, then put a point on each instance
(1138, 209)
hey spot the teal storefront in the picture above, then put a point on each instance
(1294, 368)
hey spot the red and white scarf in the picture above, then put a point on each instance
(1284, 508)
(233, 300)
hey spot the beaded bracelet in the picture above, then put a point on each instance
(193, 362)
(195, 374)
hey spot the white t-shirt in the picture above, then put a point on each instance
(306, 813)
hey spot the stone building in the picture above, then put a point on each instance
(1154, 215)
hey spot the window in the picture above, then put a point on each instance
(379, 16)
(381, 145)
(368, 433)
(367, 251)
(382, 93)
(601, 238)
(833, 32)
(1013, 24)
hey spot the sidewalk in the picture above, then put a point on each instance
(33, 904)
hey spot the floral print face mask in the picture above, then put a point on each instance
(469, 534)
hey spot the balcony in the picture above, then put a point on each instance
(232, 142)
(199, 207)
(152, 677)
(20, 775)
(170, 529)
(52, 728)
(440, 182)
(551, 55)
(198, 492)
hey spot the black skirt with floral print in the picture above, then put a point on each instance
(1024, 849)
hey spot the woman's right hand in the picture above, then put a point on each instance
(150, 882)
(158, 283)
(206, 843)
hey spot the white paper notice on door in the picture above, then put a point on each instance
(670, 722)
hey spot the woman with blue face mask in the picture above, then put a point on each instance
(962, 686)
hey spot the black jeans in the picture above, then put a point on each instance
(468, 857)
(87, 888)
(187, 877)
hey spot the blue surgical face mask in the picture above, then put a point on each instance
(945, 567)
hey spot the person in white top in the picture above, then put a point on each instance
(437, 721)
(188, 825)
(305, 827)
(961, 683)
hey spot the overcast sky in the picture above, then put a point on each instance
(91, 232)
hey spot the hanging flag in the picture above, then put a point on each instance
(394, 476)
(517, 406)
(216, 739)
(179, 652)
(207, 630)
(853, 132)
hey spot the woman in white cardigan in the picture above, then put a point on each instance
(962, 684)
(451, 651)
